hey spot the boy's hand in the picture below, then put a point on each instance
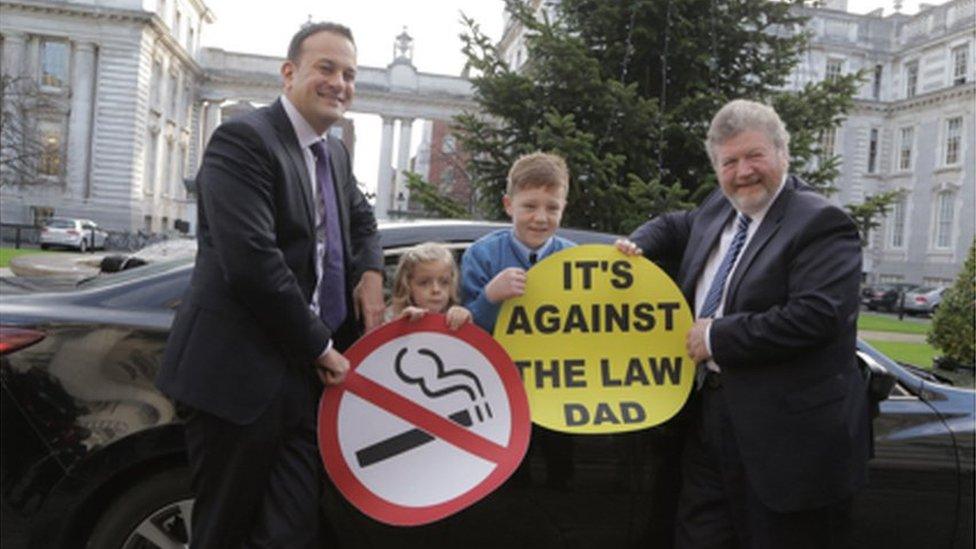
(627, 247)
(506, 284)
(457, 316)
(412, 313)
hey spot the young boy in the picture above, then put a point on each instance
(493, 268)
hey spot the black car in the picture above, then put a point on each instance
(93, 455)
(885, 297)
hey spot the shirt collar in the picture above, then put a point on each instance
(524, 251)
(303, 130)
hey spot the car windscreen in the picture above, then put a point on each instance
(61, 224)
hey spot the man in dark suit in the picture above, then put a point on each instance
(778, 438)
(288, 248)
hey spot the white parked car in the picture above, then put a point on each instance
(923, 300)
(81, 234)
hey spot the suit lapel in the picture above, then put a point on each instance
(707, 243)
(287, 135)
(770, 224)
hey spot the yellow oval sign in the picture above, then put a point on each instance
(599, 339)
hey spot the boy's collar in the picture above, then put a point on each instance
(524, 250)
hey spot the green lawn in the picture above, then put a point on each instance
(6, 254)
(882, 323)
(919, 354)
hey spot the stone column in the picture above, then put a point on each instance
(403, 158)
(79, 148)
(383, 187)
(212, 120)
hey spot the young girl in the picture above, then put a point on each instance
(426, 280)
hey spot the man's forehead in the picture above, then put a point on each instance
(746, 140)
(328, 45)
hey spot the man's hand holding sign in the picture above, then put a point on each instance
(599, 339)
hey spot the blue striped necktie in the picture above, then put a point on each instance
(714, 295)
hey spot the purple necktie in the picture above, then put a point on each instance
(332, 286)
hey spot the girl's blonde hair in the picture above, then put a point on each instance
(421, 253)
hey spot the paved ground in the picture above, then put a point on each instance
(891, 336)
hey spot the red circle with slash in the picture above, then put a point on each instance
(428, 424)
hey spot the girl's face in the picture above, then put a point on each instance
(430, 286)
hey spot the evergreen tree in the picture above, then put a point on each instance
(625, 90)
(432, 200)
(952, 325)
(868, 214)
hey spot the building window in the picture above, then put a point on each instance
(447, 177)
(911, 78)
(873, 151)
(155, 81)
(449, 146)
(51, 161)
(187, 103)
(828, 139)
(147, 223)
(168, 167)
(906, 143)
(163, 223)
(180, 170)
(834, 69)
(54, 63)
(189, 39)
(152, 143)
(177, 25)
(943, 223)
(876, 89)
(174, 93)
(953, 140)
(960, 64)
(898, 224)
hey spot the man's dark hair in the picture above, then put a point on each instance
(308, 29)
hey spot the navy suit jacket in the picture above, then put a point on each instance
(786, 342)
(246, 316)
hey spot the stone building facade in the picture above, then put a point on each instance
(120, 77)
(130, 98)
(912, 128)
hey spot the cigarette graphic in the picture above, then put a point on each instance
(405, 441)
(408, 440)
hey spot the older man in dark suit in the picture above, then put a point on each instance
(779, 438)
(288, 247)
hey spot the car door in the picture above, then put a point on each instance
(912, 493)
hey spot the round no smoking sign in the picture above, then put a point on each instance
(428, 421)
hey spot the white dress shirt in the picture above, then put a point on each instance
(715, 260)
(306, 138)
